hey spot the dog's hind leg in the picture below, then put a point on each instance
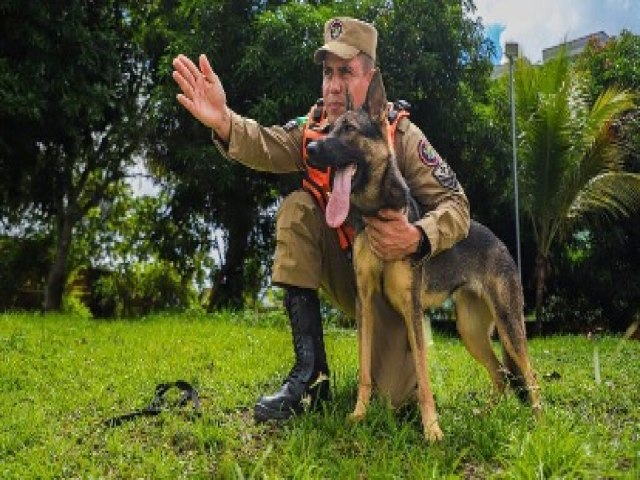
(475, 322)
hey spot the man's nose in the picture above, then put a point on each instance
(335, 85)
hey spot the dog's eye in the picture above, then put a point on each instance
(348, 127)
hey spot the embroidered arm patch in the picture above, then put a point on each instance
(445, 176)
(441, 169)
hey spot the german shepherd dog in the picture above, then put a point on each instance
(477, 272)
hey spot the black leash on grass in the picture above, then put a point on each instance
(159, 403)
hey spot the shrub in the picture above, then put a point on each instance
(142, 289)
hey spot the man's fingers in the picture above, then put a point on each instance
(185, 86)
(206, 69)
(191, 68)
(186, 103)
(372, 223)
(182, 69)
(389, 214)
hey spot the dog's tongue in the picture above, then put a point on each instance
(338, 205)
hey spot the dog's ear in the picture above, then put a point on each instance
(376, 102)
(349, 100)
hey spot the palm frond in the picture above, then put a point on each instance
(610, 195)
(611, 104)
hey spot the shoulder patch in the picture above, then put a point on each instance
(445, 175)
(428, 154)
(294, 123)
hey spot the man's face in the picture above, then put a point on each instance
(340, 76)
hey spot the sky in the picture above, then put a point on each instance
(539, 24)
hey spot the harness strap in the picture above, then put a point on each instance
(318, 181)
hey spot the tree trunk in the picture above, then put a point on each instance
(228, 288)
(58, 271)
(541, 277)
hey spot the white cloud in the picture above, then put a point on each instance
(539, 24)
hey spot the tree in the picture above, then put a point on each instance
(257, 49)
(571, 168)
(207, 191)
(617, 63)
(598, 270)
(76, 96)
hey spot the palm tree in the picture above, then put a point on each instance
(570, 162)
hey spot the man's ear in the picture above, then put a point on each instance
(376, 101)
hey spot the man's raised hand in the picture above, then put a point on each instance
(202, 94)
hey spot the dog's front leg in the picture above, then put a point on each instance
(365, 339)
(368, 269)
(405, 297)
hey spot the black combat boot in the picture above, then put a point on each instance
(308, 381)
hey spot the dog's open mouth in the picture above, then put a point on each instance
(338, 205)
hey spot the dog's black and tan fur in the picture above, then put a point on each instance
(477, 272)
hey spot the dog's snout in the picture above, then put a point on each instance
(312, 149)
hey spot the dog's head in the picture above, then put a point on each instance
(357, 149)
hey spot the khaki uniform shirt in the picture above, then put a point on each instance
(430, 179)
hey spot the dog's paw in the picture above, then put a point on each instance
(432, 433)
(358, 413)
(356, 417)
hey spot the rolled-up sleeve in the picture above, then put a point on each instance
(434, 186)
(271, 149)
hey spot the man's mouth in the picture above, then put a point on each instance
(338, 205)
(335, 106)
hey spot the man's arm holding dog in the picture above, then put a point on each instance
(435, 187)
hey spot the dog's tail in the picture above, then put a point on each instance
(515, 378)
(519, 373)
(513, 337)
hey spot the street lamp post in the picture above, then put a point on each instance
(511, 52)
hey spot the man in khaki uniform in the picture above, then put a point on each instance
(308, 254)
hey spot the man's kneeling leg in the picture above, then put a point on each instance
(308, 381)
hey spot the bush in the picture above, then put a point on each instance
(23, 270)
(142, 289)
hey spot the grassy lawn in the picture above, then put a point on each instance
(61, 378)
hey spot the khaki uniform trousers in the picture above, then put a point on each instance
(308, 255)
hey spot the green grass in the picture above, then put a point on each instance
(61, 377)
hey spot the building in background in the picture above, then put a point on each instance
(575, 47)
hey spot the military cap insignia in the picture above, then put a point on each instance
(428, 154)
(335, 29)
(445, 176)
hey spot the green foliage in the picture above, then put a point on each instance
(62, 377)
(74, 100)
(571, 169)
(597, 283)
(22, 271)
(73, 103)
(208, 193)
(614, 63)
(269, 41)
(143, 288)
(73, 306)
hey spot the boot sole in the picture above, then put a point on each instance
(264, 414)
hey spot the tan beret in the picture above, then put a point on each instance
(346, 37)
